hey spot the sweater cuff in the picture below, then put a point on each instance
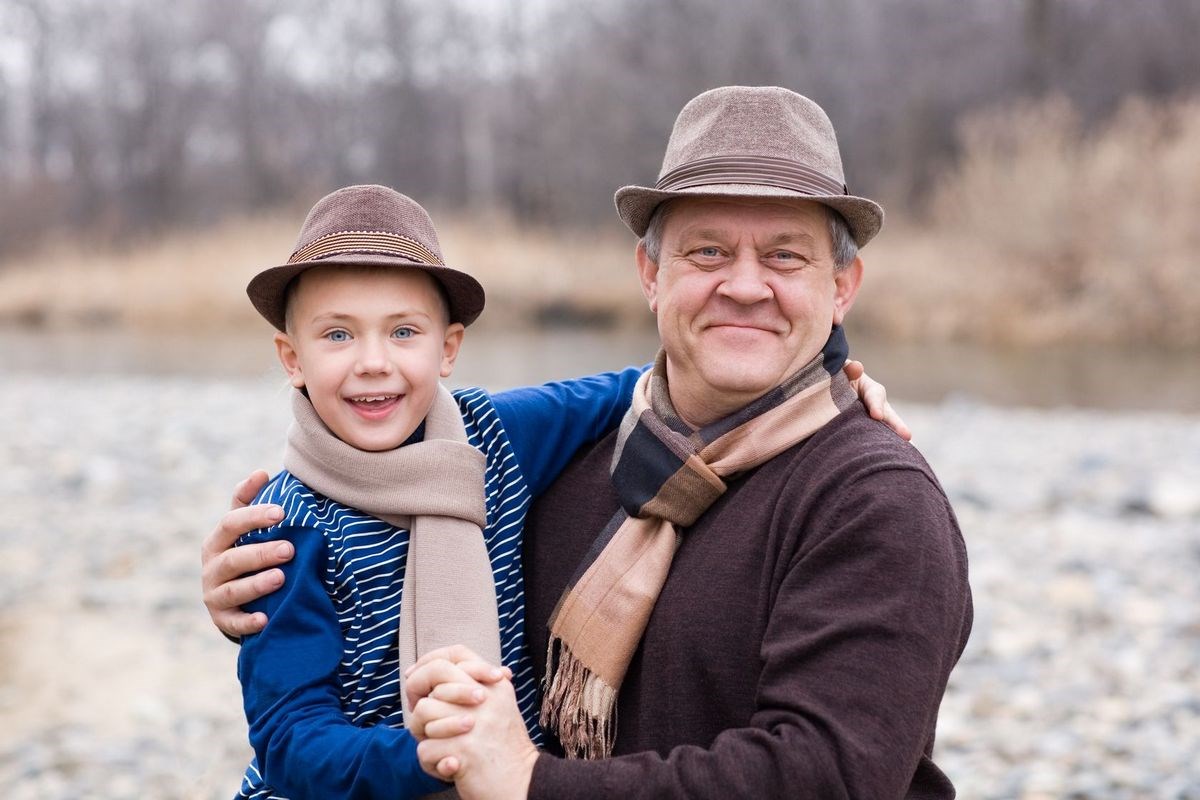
(545, 783)
(562, 778)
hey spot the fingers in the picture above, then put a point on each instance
(235, 524)
(431, 718)
(454, 654)
(236, 623)
(420, 683)
(447, 727)
(225, 600)
(437, 755)
(248, 489)
(459, 693)
(874, 396)
(893, 421)
(227, 586)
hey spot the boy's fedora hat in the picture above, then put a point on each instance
(365, 226)
(752, 141)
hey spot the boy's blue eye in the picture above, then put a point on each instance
(338, 336)
(402, 333)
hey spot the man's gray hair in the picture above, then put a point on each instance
(845, 249)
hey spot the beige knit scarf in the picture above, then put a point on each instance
(435, 489)
(666, 475)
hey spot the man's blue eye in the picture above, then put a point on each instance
(402, 333)
(338, 336)
(709, 251)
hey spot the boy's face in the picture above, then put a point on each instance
(369, 346)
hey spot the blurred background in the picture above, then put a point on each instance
(1032, 304)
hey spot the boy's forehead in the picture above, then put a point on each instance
(319, 287)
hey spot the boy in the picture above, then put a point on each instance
(404, 503)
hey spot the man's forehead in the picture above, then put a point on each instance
(775, 217)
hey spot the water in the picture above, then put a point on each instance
(497, 358)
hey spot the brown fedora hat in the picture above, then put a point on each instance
(364, 226)
(752, 141)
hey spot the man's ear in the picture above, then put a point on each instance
(450, 346)
(289, 359)
(648, 275)
(846, 283)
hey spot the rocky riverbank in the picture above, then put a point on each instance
(1082, 679)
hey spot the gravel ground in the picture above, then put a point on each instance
(1082, 678)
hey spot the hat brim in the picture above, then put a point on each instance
(636, 204)
(268, 289)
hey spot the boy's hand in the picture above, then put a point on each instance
(224, 574)
(874, 397)
(450, 674)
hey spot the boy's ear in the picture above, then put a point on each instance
(450, 345)
(290, 361)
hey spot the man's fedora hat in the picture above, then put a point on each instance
(752, 141)
(365, 226)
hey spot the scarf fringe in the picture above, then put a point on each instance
(578, 705)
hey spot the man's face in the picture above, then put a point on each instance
(746, 293)
(369, 346)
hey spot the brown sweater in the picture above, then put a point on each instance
(802, 642)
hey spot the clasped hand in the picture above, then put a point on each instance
(469, 728)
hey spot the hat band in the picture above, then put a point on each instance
(766, 170)
(384, 242)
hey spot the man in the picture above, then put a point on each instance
(798, 640)
(751, 589)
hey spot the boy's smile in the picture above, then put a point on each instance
(368, 345)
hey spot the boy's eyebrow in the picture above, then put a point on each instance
(342, 316)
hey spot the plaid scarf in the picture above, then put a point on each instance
(434, 488)
(666, 476)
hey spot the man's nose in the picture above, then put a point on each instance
(745, 280)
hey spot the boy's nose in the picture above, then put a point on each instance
(372, 357)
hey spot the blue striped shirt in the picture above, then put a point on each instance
(321, 681)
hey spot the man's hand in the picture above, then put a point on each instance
(223, 566)
(874, 397)
(484, 748)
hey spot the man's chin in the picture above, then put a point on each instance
(741, 385)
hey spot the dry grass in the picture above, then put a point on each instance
(1041, 232)
(196, 279)
(1045, 232)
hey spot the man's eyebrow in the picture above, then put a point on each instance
(791, 238)
(702, 233)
